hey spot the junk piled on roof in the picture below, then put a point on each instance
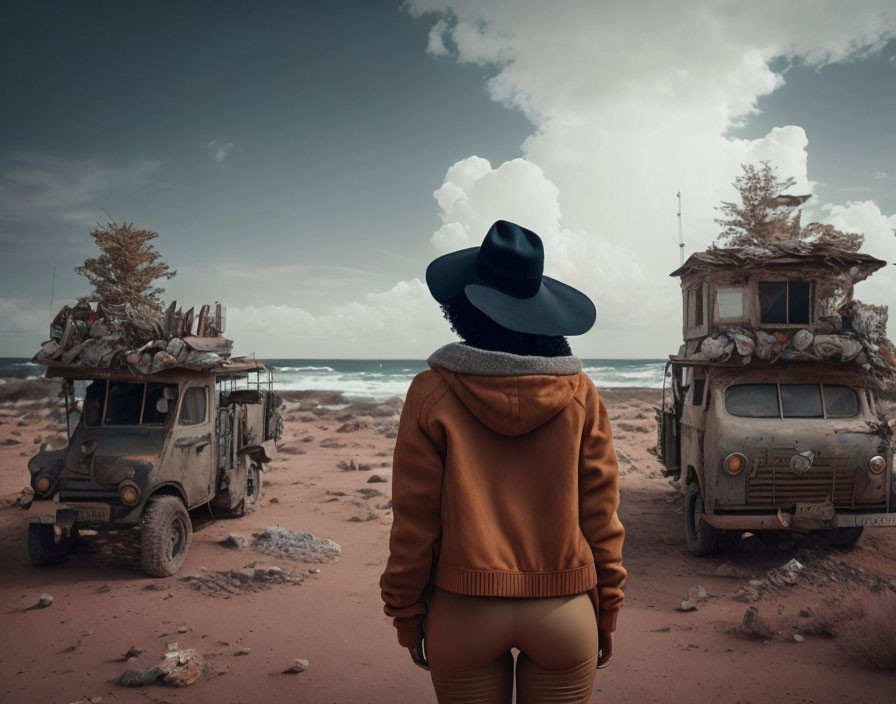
(784, 293)
(105, 336)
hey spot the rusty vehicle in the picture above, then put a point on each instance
(146, 448)
(773, 420)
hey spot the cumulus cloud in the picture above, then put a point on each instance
(629, 109)
(436, 43)
(403, 319)
(219, 151)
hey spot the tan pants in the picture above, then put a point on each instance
(469, 639)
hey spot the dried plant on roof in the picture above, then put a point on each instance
(127, 268)
(762, 211)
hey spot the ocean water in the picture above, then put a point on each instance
(380, 379)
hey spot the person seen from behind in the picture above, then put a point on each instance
(505, 489)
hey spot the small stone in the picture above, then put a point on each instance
(139, 678)
(241, 651)
(377, 479)
(234, 542)
(797, 638)
(43, 601)
(245, 575)
(697, 594)
(298, 666)
(805, 613)
(314, 570)
(132, 653)
(728, 570)
(171, 647)
(686, 606)
(182, 629)
(755, 624)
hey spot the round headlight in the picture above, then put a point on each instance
(129, 493)
(877, 464)
(734, 463)
(43, 484)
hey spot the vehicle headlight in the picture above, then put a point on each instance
(734, 463)
(877, 464)
(43, 485)
(129, 493)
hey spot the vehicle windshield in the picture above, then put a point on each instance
(792, 401)
(128, 403)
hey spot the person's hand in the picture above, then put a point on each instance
(604, 648)
(418, 651)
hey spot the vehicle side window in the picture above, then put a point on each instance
(699, 385)
(154, 394)
(124, 403)
(193, 407)
(840, 401)
(753, 400)
(801, 401)
(785, 302)
(94, 398)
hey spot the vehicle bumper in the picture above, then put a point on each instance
(69, 514)
(788, 521)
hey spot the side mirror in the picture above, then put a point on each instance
(162, 405)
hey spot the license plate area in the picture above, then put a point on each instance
(823, 511)
(92, 513)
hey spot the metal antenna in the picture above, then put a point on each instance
(222, 282)
(52, 292)
(680, 236)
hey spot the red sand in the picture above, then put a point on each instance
(104, 604)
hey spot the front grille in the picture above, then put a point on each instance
(773, 483)
(88, 496)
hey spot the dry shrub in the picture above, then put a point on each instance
(873, 633)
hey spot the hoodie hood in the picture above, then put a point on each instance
(511, 394)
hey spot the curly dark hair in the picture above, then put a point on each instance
(476, 329)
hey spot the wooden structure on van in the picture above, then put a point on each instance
(788, 296)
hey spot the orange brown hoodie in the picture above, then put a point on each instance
(505, 483)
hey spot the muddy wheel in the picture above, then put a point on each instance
(45, 547)
(167, 533)
(702, 538)
(253, 488)
(843, 537)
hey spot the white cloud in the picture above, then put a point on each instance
(219, 151)
(631, 103)
(436, 42)
(878, 175)
(402, 321)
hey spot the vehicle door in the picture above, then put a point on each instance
(193, 452)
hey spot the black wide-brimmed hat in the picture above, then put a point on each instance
(504, 279)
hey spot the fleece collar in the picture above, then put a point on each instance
(463, 359)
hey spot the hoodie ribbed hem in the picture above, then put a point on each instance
(516, 584)
(463, 359)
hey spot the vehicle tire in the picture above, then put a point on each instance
(253, 489)
(702, 538)
(45, 548)
(843, 537)
(167, 532)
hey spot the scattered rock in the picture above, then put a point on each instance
(386, 506)
(25, 498)
(235, 582)
(797, 638)
(697, 594)
(298, 666)
(139, 678)
(43, 602)
(347, 466)
(377, 479)
(241, 652)
(755, 625)
(182, 668)
(369, 492)
(298, 545)
(245, 575)
(332, 444)
(131, 653)
(234, 542)
(10, 441)
(747, 595)
(686, 606)
(314, 570)
(182, 629)
(371, 516)
(274, 500)
(351, 426)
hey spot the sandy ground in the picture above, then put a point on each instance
(103, 605)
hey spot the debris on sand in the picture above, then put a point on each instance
(241, 581)
(234, 542)
(371, 516)
(43, 602)
(298, 666)
(757, 626)
(377, 479)
(298, 545)
(786, 575)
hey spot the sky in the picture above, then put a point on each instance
(304, 161)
